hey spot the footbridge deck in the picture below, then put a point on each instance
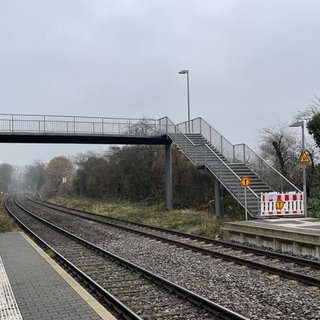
(19, 128)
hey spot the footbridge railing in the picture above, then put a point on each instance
(239, 153)
(47, 124)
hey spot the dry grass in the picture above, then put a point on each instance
(191, 221)
(7, 224)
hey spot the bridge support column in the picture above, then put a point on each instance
(218, 197)
(168, 177)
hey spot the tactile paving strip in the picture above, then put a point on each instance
(8, 306)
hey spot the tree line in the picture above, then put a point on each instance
(137, 173)
(131, 173)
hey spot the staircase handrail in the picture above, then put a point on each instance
(265, 163)
(269, 174)
(199, 125)
(230, 169)
(168, 127)
(236, 193)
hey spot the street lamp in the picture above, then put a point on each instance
(188, 96)
(304, 177)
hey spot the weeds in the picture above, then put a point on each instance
(201, 223)
(50, 253)
(6, 222)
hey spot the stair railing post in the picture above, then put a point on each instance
(185, 145)
(245, 203)
(166, 125)
(195, 155)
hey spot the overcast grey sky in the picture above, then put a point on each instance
(252, 63)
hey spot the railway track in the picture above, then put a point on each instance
(290, 267)
(132, 291)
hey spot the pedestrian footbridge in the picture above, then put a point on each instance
(205, 148)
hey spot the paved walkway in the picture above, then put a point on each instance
(301, 225)
(34, 287)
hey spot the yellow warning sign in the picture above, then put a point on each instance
(304, 158)
(279, 204)
(245, 182)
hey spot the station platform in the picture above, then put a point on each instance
(34, 287)
(300, 236)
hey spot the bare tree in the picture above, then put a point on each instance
(279, 147)
(6, 171)
(59, 176)
(310, 111)
(34, 176)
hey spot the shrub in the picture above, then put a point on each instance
(5, 224)
(314, 207)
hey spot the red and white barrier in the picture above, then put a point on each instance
(281, 204)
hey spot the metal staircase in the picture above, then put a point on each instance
(208, 150)
(229, 174)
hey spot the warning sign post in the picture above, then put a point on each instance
(304, 159)
(245, 182)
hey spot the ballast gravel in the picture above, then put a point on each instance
(252, 293)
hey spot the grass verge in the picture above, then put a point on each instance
(196, 222)
(7, 224)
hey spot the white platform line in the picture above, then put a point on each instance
(8, 306)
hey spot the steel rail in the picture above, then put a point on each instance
(210, 306)
(252, 264)
(104, 295)
(257, 251)
(276, 255)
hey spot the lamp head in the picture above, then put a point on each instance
(297, 124)
(183, 71)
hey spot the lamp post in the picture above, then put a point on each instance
(188, 95)
(304, 177)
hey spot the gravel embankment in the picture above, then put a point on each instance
(251, 293)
